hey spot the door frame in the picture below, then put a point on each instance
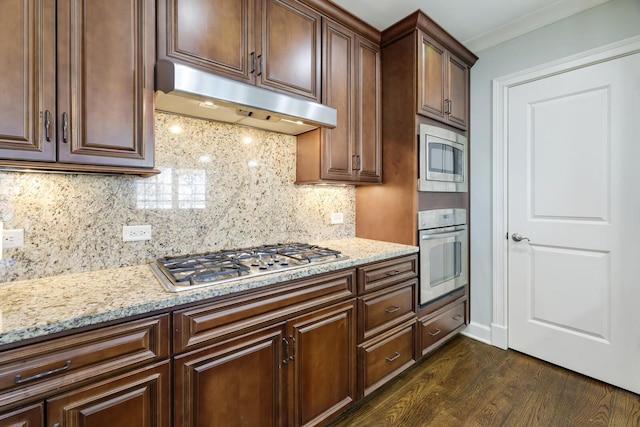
(501, 86)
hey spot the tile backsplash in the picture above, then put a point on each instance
(221, 186)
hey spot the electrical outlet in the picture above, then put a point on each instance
(132, 233)
(337, 218)
(12, 239)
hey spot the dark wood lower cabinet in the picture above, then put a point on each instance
(135, 399)
(238, 382)
(31, 416)
(323, 361)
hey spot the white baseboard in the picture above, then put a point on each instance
(499, 336)
(478, 332)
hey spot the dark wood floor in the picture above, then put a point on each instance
(468, 383)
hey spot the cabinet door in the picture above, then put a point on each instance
(137, 399)
(289, 54)
(31, 416)
(458, 92)
(432, 63)
(323, 353)
(105, 82)
(338, 91)
(369, 111)
(27, 80)
(217, 35)
(235, 383)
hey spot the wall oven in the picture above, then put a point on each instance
(443, 252)
(443, 160)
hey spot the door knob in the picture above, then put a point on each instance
(518, 238)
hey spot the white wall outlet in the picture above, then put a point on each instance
(132, 233)
(1, 240)
(337, 218)
(12, 239)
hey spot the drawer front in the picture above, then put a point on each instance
(440, 327)
(69, 360)
(387, 356)
(207, 323)
(383, 309)
(383, 274)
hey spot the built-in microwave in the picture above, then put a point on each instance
(443, 160)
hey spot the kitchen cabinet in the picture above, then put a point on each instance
(351, 83)
(270, 43)
(322, 364)
(116, 375)
(236, 382)
(31, 416)
(443, 83)
(387, 327)
(269, 351)
(77, 84)
(441, 325)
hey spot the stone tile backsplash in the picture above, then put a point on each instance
(221, 186)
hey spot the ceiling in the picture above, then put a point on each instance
(478, 24)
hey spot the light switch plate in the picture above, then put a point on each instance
(1, 239)
(337, 218)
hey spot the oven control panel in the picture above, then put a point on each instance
(441, 218)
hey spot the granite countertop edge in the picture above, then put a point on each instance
(78, 300)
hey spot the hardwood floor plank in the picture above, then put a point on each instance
(468, 383)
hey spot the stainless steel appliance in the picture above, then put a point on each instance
(188, 272)
(443, 160)
(443, 252)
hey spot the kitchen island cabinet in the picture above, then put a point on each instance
(270, 43)
(77, 92)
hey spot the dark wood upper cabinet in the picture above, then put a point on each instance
(351, 83)
(443, 83)
(270, 43)
(99, 56)
(105, 82)
(217, 35)
(27, 80)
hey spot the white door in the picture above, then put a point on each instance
(574, 192)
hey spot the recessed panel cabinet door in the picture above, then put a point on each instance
(289, 56)
(105, 82)
(137, 399)
(458, 95)
(27, 80)
(323, 358)
(432, 64)
(217, 35)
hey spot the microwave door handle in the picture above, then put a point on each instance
(442, 235)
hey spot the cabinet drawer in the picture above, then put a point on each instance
(387, 356)
(206, 323)
(437, 329)
(55, 364)
(381, 310)
(382, 274)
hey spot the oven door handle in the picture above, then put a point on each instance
(443, 235)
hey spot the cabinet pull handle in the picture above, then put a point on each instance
(393, 273)
(20, 380)
(260, 64)
(394, 358)
(253, 62)
(56, 425)
(285, 361)
(434, 333)
(457, 317)
(293, 348)
(392, 309)
(47, 125)
(65, 127)
(448, 106)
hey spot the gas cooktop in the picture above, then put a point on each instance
(188, 272)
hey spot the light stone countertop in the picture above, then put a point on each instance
(34, 308)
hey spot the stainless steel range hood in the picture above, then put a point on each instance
(185, 90)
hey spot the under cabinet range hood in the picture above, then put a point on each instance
(190, 91)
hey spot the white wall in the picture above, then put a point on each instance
(601, 25)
